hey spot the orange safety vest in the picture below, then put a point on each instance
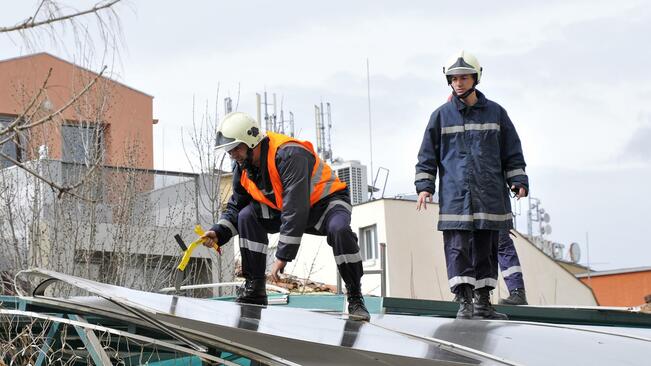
(322, 183)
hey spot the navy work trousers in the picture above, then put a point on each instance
(509, 262)
(254, 243)
(471, 257)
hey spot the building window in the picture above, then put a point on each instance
(82, 143)
(368, 242)
(11, 147)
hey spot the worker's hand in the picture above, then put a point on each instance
(423, 198)
(519, 192)
(210, 239)
(277, 268)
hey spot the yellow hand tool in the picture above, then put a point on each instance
(187, 253)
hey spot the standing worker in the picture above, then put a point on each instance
(509, 262)
(281, 185)
(474, 145)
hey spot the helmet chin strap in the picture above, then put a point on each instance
(465, 94)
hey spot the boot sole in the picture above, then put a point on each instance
(480, 317)
(359, 317)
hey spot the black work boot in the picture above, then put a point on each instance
(517, 297)
(253, 292)
(463, 295)
(483, 307)
(356, 306)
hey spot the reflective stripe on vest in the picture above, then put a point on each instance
(323, 181)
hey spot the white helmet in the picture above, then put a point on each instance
(462, 63)
(237, 128)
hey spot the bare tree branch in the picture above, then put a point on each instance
(65, 106)
(31, 22)
(61, 189)
(29, 106)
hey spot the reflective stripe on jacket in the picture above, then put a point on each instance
(323, 181)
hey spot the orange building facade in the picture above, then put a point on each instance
(122, 116)
(626, 287)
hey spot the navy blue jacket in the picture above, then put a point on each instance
(478, 155)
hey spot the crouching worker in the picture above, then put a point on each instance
(281, 185)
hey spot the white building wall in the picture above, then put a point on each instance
(416, 262)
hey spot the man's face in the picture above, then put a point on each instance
(462, 83)
(238, 153)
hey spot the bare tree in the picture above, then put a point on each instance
(48, 24)
(214, 184)
(113, 224)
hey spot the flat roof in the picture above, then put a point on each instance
(614, 272)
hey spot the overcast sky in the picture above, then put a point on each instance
(573, 76)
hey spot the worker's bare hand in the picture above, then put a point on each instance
(519, 193)
(277, 268)
(423, 198)
(210, 238)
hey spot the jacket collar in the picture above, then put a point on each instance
(481, 101)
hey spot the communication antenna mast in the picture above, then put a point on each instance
(228, 105)
(267, 124)
(281, 125)
(320, 130)
(270, 120)
(323, 144)
(282, 121)
(329, 151)
(291, 124)
(273, 117)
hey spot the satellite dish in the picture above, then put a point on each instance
(546, 230)
(546, 217)
(575, 252)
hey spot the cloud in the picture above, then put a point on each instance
(638, 147)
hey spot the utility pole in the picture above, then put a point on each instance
(587, 249)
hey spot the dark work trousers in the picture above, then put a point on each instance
(509, 262)
(471, 257)
(335, 226)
